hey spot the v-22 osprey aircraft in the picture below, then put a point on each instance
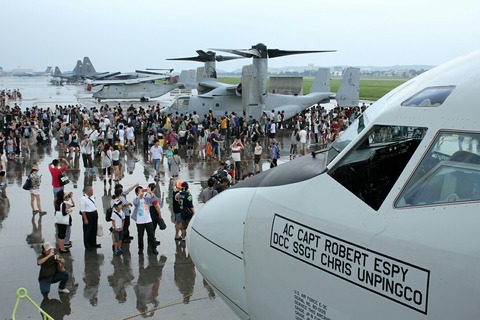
(383, 224)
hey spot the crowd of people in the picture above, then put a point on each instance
(104, 138)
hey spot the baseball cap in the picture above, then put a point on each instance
(47, 246)
(117, 203)
(179, 184)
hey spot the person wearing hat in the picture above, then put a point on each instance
(51, 271)
(185, 199)
(36, 180)
(176, 210)
(118, 221)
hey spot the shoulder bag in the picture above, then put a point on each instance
(63, 179)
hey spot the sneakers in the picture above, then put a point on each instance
(64, 290)
(118, 252)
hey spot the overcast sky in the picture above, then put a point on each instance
(124, 35)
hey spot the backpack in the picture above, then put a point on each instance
(28, 184)
(108, 214)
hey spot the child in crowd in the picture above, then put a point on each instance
(118, 220)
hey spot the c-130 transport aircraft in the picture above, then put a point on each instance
(382, 224)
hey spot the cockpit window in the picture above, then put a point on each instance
(371, 169)
(429, 97)
(450, 172)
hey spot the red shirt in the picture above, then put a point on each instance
(55, 172)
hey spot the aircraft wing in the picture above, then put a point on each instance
(130, 81)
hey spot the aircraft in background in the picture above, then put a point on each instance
(22, 73)
(220, 97)
(142, 88)
(382, 224)
(82, 71)
(251, 96)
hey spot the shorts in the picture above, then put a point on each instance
(105, 170)
(116, 162)
(256, 158)
(178, 218)
(185, 224)
(61, 231)
(35, 192)
(117, 236)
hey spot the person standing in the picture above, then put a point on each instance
(118, 221)
(86, 147)
(257, 154)
(56, 171)
(275, 153)
(62, 219)
(106, 161)
(121, 195)
(141, 215)
(294, 140)
(88, 209)
(303, 141)
(35, 191)
(187, 210)
(49, 273)
(155, 156)
(175, 163)
(236, 149)
(155, 209)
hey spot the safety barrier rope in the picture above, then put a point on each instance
(22, 294)
(168, 304)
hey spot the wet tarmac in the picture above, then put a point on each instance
(102, 285)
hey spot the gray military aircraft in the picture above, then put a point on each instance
(251, 96)
(83, 70)
(142, 88)
(47, 72)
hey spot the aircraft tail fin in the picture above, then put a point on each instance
(78, 68)
(48, 70)
(348, 93)
(88, 68)
(321, 83)
(188, 78)
(57, 72)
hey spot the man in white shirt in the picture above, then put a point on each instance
(88, 209)
(303, 141)
(156, 155)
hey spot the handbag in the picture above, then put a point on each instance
(61, 219)
(161, 224)
(99, 230)
(28, 184)
(63, 179)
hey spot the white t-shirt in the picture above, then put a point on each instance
(303, 136)
(118, 219)
(143, 212)
(156, 152)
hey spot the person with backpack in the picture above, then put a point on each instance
(209, 192)
(118, 222)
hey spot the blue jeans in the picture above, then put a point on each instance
(61, 276)
(156, 164)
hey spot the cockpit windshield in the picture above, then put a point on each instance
(371, 169)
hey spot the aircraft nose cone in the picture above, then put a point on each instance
(215, 242)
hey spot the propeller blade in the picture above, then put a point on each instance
(274, 53)
(247, 53)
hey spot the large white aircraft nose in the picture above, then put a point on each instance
(215, 242)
